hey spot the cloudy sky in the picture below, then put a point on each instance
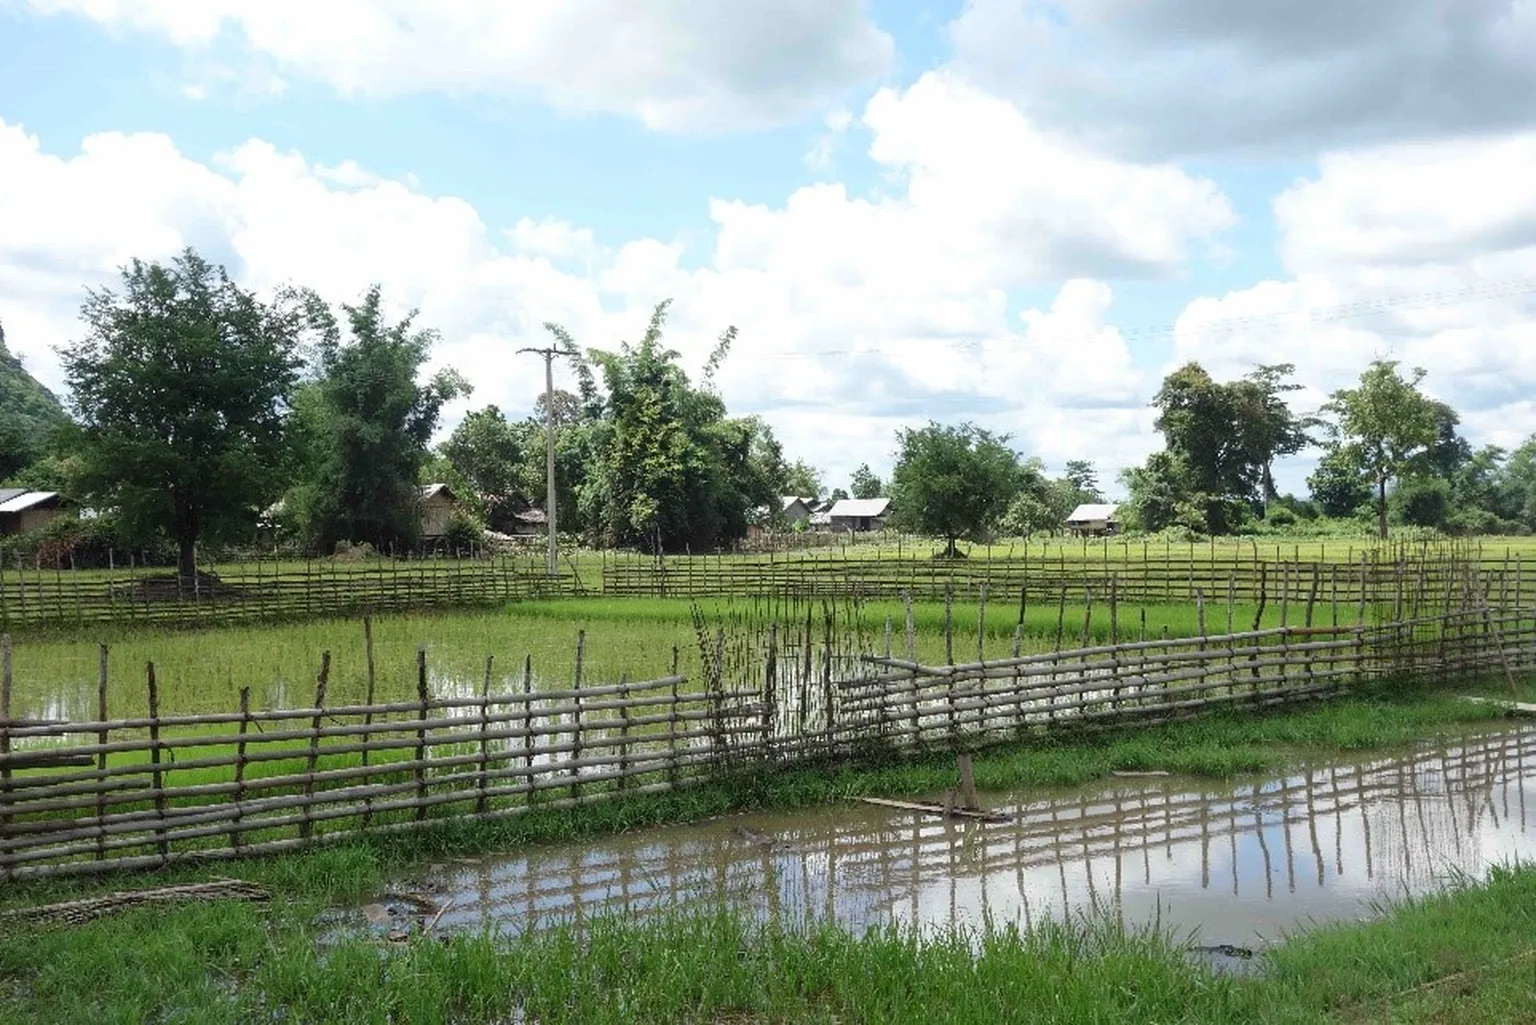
(1018, 212)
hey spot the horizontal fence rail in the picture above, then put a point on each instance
(157, 789)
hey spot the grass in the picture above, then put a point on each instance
(203, 670)
(223, 961)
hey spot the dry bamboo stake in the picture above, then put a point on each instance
(576, 729)
(916, 712)
(5, 726)
(306, 829)
(239, 796)
(485, 744)
(422, 696)
(101, 735)
(158, 781)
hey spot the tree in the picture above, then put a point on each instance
(568, 408)
(364, 425)
(1161, 494)
(1387, 425)
(1338, 485)
(1199, 420)
(486, 455)
(837, 495)
(30, 415)
(671, 470)
(864, 484)
(179, 388)
(803, 480)
(1265, 424)
(1084, 478)
(952, 482)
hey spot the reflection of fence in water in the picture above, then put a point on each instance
(1395, 823)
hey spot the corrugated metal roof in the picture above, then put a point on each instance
(6, 494)
(24, 500)
(1092, 511)
(859, 507)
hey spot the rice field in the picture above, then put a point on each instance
(56, 676)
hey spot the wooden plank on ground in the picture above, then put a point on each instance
(939, 809)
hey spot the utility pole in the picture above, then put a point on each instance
(549, 454)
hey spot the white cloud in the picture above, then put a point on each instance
(1168, 77)
(1423, 253)
(855, 314)
(676, 65)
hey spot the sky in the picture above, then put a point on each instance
(1019, 213)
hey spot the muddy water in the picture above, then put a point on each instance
(1232, 864)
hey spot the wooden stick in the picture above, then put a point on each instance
(485, 744)
(321, 681)
(422, 694)
(158, 781)
(5, 725)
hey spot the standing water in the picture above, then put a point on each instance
(1230, 863)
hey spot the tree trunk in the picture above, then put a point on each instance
(950, 551)
(1381, 507)
(186, 559)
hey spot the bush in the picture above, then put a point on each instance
(1281, 517)
(464, 533)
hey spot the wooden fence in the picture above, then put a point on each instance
(1149, 576)
(33, 595)
(79, 797)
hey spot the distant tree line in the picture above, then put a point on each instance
(199, 411)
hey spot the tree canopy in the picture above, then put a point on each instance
(953, 482)
(363, 425)
(1387, 427)
(29, 415)
(179, 389)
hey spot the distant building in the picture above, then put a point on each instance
(434, 507)
(860, 513)
(23, 511)
(1094, 520)
(528, 522)
(795, 510)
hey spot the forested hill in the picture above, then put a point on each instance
(28, 412)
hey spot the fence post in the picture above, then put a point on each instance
(482, 802)
(624, 731)
(771, 687)
(239, 812)
(306, 826)
(917, 715)
(422, 696)
(101, 755)
(157, 779)
(575, 771)
(528, 746)
(368, 716)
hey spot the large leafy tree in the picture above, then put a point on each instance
(1083, 477)
(802, 480)
(484, 455)
(1387, 427)
(670, 470)
(1266, 426)
(179, 387)
(1199, 420)
(30, 415)
(953, 482)
(365, 421)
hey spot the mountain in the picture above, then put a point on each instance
(28, 414)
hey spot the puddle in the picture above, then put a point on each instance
(1236, 865)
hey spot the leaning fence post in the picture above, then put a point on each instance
(581, 651)
(306, 825)
(771, 687)
(421, 733)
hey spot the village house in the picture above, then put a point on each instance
(1093, 519)
(860, 514)
(23, 511)
(434, 508)
(795, 510)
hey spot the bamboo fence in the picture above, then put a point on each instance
(161, 789)
(36, 595)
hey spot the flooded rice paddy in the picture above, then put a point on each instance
(1238, 863)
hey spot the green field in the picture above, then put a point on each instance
(203, 670)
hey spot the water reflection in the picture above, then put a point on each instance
(1235, 863)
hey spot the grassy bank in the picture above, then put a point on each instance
(1463, 955)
